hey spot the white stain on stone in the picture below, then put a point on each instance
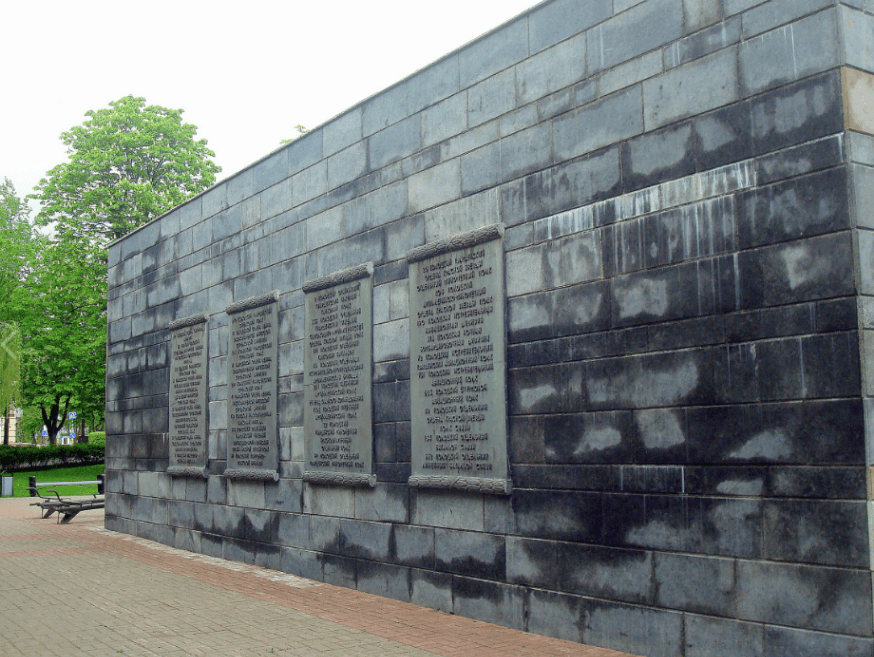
(751, 487)
(644, 296)
(528, 315)
(646, 388)
(589, 309)
(570, 222)
(772, 444)
(598, 439)
(637, 203)
(660, 429)
(658, 533)
(525, 271)
(801, 267)
(529, 397)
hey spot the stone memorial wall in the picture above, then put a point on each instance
(568, 331)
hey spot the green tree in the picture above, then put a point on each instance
(64, 337)
(16, 250)
(128, 164)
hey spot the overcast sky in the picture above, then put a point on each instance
(245, 73)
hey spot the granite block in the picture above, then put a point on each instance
(433, 83)
(492, 97)
(551, 70)
(339, 571)
(800, 207)
(431, 589)
(692, 88)
(557, 21)
(822, 532)
(703, 585)
(365, 540)
(394, 143)
(492, 602)
(857, 31)
(720, 637)
(599, 124)
(788, 641)
(555, 615)
(807, 269)
(835, 600)
(772, 14)
(385, 503)
(639, 630)
(806, 47)
(384, 580)
(563, 516)
(497, 51)
(346, 165)
(704, 42)
(583, 570)
(385, 109)
(631, 33)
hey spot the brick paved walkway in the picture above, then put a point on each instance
(78, 589)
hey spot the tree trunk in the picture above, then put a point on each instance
(54, 419)
(6, 427)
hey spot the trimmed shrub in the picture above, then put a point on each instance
(97, 438)
(21, 458)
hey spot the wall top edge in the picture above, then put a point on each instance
(348, 110)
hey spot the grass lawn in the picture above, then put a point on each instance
(71, 473)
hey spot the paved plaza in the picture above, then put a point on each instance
(78, 589)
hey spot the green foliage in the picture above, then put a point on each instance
(77, 473)
(16, 250)
(300, 132)
(97, 438)
(128, 164)
(65, 335)
(30, 424)
(10, 366)
(19, 458)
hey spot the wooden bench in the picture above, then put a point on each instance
(67, 508)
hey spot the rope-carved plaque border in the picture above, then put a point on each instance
(185, 322)
(253, 302)
(187, 471)
(456, 242)
(338, 278)
(472, 484)
(340, 478)
(252, 475)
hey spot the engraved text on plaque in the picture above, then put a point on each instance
(337, 378)
(188, 403)
(252, 384)
(457, 367)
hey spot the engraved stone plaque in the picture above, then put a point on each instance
(338, 348)
(457, 365)
(188, 401)
(253, 438)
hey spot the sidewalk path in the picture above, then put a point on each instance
(78, 589)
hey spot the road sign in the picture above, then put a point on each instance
(44, 432)
(72, 415)
(72, 435)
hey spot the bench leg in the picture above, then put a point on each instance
(67, 515)
(47, 512)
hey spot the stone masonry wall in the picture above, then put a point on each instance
(686, 188)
